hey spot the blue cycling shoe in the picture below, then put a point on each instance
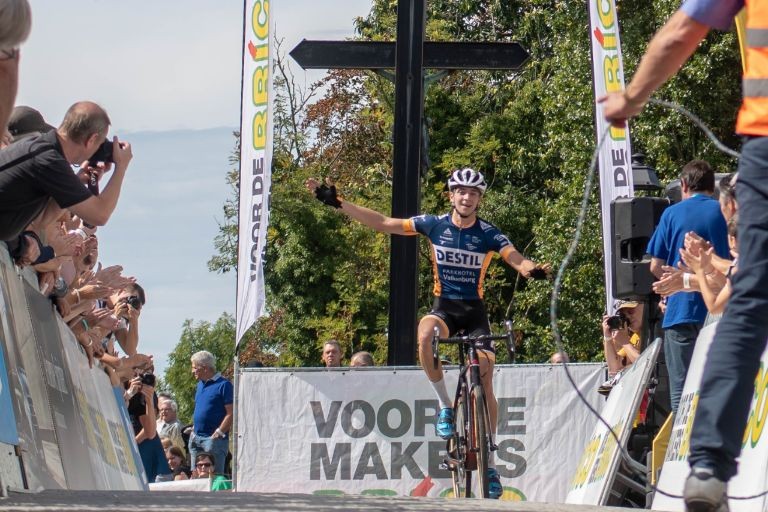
(495, 490)
(444, 427)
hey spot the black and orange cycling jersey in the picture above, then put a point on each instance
(460, 256)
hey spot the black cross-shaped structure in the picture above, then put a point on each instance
(409, 56)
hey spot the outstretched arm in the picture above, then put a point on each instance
(666, 53)
(365, 216)
(524, 266)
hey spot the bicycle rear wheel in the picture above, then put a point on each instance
(458, 448)
(480, 431)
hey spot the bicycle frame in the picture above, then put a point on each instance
(469, 452)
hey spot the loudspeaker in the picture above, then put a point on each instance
(633, 220)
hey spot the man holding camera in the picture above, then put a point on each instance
(36, 176)
(142, 404)
(126, 306)
(212, 418)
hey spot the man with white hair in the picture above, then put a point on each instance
(15, 25)
(212, 418)
(168, 425)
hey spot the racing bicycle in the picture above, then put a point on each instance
(471, 445)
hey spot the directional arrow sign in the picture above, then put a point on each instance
(381, 55)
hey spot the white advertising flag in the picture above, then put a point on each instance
(255, 163)
(616, 154)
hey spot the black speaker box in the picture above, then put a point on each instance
(633, 220)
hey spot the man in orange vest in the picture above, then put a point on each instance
(734, 358)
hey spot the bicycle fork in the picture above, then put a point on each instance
(475, 382)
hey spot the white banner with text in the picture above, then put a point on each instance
(616, 154)
(592, 481)
(752, 476)
(255, 163)
(371, 431)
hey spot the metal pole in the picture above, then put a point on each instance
(409, 106)
(233, 430)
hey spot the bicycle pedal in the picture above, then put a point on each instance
(494, 447)
(444, 466)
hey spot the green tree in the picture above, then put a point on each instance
(531, 132)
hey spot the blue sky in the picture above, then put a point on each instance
(168, 73)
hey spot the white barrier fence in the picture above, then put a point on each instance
(71, 427)
(752, 476)
(371, 431)
(594, 478)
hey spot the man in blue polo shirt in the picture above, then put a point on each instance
(212, 418)
(686, 312)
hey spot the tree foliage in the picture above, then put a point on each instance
(531, 132)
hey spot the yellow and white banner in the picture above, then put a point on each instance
(594, 477)
(255, 163)
(616, 154)
(371, 431)
(752, 476)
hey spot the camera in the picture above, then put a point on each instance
(616, 322)
(148, 379)
(103, 154)
(133, 301)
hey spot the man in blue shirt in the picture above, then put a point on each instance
(212, 418)
(685, 314)
(733, 360)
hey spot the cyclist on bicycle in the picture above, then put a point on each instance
(462, 247)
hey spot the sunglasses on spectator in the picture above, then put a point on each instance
(9, 54)
(203, 464)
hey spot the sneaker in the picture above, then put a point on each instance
(444, 427)
(495, 490)
(704, 492)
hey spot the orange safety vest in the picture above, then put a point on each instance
(753, 116)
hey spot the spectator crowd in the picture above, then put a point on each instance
(58, 186)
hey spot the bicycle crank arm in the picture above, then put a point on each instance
(449, 464)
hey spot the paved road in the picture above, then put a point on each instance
(91, 501)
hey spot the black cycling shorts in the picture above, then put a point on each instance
(469, 316)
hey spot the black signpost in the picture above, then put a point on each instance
(409, 56)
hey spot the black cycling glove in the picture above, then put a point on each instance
(327, 195)
(538, 273)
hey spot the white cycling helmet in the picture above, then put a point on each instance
(467, 178)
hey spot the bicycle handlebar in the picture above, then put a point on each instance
(460, 340)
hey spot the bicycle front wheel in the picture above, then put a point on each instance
(458, 448)
(480, 431)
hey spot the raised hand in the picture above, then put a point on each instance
(94, 291)
(671, 281)
(541, 271)
(325, 193)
